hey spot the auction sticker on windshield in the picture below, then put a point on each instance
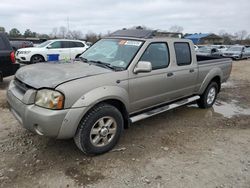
(130, 43)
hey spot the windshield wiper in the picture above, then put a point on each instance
(82, 59)
(103, 64)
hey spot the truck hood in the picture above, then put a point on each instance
(50, 75)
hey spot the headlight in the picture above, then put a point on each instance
(49, 99)
(24, 52)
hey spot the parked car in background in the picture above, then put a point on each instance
(196, 48)
(66, 49)
(237, 52)
(121, 79)
(20, 44)
(208, 51)
(221, 48)
(8, 66)
(89, 44)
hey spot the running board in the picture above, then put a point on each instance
(163, 109)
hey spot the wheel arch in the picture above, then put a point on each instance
(121, 107)
(88, 101)
(214, 75)
(38, 55)
(217, 79)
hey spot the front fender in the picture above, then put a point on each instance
(85, 103)
(102, 93)
(211, 74)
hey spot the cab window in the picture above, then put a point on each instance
(183, 53)
(157, 54)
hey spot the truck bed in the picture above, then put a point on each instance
(211, 59)
(207, 63)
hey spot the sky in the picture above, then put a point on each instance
(101, 16)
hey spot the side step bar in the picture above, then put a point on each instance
(163, 109)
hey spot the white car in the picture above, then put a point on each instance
(221, 48)
(66, 49)
(196, 48)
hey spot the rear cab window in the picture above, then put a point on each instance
(183, 53)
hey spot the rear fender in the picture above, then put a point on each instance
(211, 74)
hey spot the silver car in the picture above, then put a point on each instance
(237, 52)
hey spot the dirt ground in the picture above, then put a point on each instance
(186, 147)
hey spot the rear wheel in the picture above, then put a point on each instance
(37, 59)
(209, 96)
(100, 130)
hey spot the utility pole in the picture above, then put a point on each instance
(68, 25)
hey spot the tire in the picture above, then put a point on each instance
(94, 135)
(209, 96)
(37, 59)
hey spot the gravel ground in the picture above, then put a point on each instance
(185, 147)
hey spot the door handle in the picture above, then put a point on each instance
(170, 74)
(191, 70)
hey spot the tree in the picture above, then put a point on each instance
(62, 31)
(75, 34)
(228, 38)
(92, 37)
(14, 33)
(28, 33)
(176, 29)
(43, 36)
(54, 33)
(241, 35)
(2, 29)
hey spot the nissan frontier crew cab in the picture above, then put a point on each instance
(121, 79)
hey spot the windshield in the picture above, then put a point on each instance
(235, 48)
(116, 52)
(43, 44)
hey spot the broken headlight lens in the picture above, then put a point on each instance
(49, 99)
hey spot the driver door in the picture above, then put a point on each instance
(148, 89)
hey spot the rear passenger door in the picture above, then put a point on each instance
(185, 72)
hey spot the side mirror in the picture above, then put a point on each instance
(143, 66)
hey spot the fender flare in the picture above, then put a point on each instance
(215, 72)
(85, 103)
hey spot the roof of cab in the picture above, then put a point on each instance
(145, 35)
(134, 33)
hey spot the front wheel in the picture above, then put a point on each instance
(100, 130)
(209, 96)
(36, 59)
